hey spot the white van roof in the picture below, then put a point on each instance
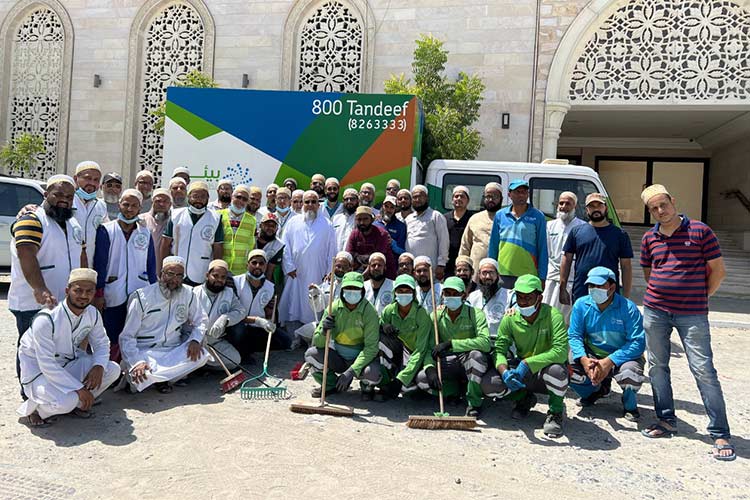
(509, 166)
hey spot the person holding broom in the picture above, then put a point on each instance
(463, 348)
(354, 326)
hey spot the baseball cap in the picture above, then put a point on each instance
(599, 275)
(454, 283)
(352, 279)
(596, 197)
(517, 184)
(390, 199)
(269, 217)
(528, 283)
(405, 280)
(112, 176)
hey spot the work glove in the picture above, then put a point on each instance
(217, 330)
(389, 330)
(265, 325)
(329, 323)
(511, 381)
(345, 380)
(522, 371)
(441, 349)
(432, 378)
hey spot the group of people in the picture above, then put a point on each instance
(144, 286)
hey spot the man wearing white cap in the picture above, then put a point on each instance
(297, 201)
(317, 184)
(144, 182)
(195, 234)
(404, 204)
(427, 232)
(284, 210)
(366, 239)
(378, 289)
(124, 261)
(270, 207)
(344, 222)
(165, 327)
(395, 227)
(457, 219)
(422, 267)
(476, 237)
(406, 264)
(273, 245)
(223, 309)
(239, 230)
(332, 205)
(183, 173)
(367, 197)
(156, 218)
(490, 298)
(57, 373)
(224, 195)
(178, 191)
(89, 211)
(45, 247)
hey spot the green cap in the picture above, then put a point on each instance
(528, 283)
(405, 280)
(455, 283)
(352, 279)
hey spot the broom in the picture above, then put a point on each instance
(441, 419)
(324, 408)
(280, 393)
(232, 380)
(268, 392)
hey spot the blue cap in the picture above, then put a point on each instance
(517, 184)
(599, 275)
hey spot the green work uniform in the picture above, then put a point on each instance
(415, 332)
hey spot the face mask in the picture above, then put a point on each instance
(84, 195)
(598, 295)
(404, 299)
(566, 216)
(127, 221)
(283, 211)
(352, 296)
(235, 210)
(452, 303)
(528, 311)
(261, 276)
(196, 211)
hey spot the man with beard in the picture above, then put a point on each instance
(319, 294)
(297, 202)
(283, 208)
(222, 309)
(406, 264)
(378, 289)
(156, 218)
(395, 227)
(422, 267)
(273, 246)
(253, 204)
(124, 261)
(332, 205)
(291, 184)
(367, 239)
(224, 195)
(427, 231)
(178, 191)
(144, 182)
(311, 243)
(518, 240)
(317, 184)
(111, 189)
(270, 207)
(195, 234)
(490, 298)
(477, 233)
(464, 269)
(557, 233)
(89, 211)
(57, 373)
(404, 204)
(152, 341)
(457, 219)
(344, 223)
(239, 231)
(367, 196)
(598, 243)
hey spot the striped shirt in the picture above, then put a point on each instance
(678, 267)
(28, 230)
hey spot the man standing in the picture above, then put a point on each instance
(392, 187)
(344, 222)
(57, 374)
(297, 201)
(317, 184)
(239, 231)
(156, 218)
(598, 243)
(491, 299)
(683, 266)
(144, 182)
(422, 267)
(606, 341)
(404, 204)
(273, 246)
(178, 191)
(89, 211)
(183, 173)
(151, 342)
(291, 184)
(283, 208)
(476, 236)
(332, 205)
(367, 196)
(456, 219)
(519, 237)
(391, 223)
(379, 288)
(111, 189)
(311, 243)
(270, 207)
(427, 232)
(367, 239)
(557, 233)
(253, 204)
(224, 195)
(197, 234)
(124, 262)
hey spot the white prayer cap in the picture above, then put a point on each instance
(318, 177)
(404, 191)
(422, 259)
(258, 252)
(390, 199)
(487, 261)
(176, 180)
(181, 170)
(653, 190)
(224, 181)
(241, 188)
(255, 189)
(283, 190)
(173, 260)
(569, 194)
(82, 274)
(394, 182)
(465, 259)
(310, 193)
(144, 173)
(132, 192)
(493, 185)
(160, 192)
(461, 189)
(418, 188)
(56, 179)
(351, 191)
(197, 185)
(376, 255)
(298, 192)
(218, 263)
(408, 255)
(367, 185)
(88, 165)
(346, 256)
(332, 180)
(273, 185)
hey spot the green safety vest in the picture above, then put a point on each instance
(237, 245)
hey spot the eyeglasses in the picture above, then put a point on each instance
(311, 202)
(351, 198)
(170, 275)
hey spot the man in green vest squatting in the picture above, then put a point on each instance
(540, 338)
(239, 231)
(405, 333)
(463, 348)
(354, 327)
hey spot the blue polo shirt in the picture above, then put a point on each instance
(397, 230)
(616, 332)
(519, 244)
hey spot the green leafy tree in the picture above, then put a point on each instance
(450, 107)
(23, 152)
(194, 79)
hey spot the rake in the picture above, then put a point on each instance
(268, 392)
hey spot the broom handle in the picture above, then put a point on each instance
(218, 358)
(437, 340)
(328, 337)
(268, 342)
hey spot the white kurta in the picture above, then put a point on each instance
(215, 305)
(343, 224)
(557, 234)
(324, 210)
(90, 215)
(157, 331)
(427, 234)
(493, 309)
(53, 366)
(384, 297)
(310, 249)
(424, 298)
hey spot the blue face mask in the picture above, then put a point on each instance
(282, 211)
(528, 311)
(352, 296)
(404, 299)
(127, 221)
(598, 295)
(453, 303)
(235, 210)
(84, 195)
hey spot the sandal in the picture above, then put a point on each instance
(664, 432)
(718, 448)
(163, 387)
(34, 421)
(79, 413)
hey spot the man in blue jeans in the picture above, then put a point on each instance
(683, 266)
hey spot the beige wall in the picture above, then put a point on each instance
(730, 169)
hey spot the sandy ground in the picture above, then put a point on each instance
(196, 443)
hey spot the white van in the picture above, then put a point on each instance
(15, 193)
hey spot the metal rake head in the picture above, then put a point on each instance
(271, 393)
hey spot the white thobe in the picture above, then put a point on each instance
(557, 234)
(215, 305)
(53, 365)
(493, 309)
(427, 234)
(310, 249)
(384, 296)
(424, 298)
(90, 215)
(343, 224)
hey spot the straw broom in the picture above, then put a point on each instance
(441, 419)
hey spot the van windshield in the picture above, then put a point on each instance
(545, 191)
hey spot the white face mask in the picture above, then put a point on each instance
(196, 211)
(566, 216)
(235, 210)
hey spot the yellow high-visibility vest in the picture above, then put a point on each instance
(237, 245)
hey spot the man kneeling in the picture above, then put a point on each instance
(57, 374)
(153, 344)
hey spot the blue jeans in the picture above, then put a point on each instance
(23, 323)
(695, 336)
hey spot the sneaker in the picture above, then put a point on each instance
(632, 415)
(472, 411)
(553, 425)
(316, 392)
(592, 398)
(522, 408)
